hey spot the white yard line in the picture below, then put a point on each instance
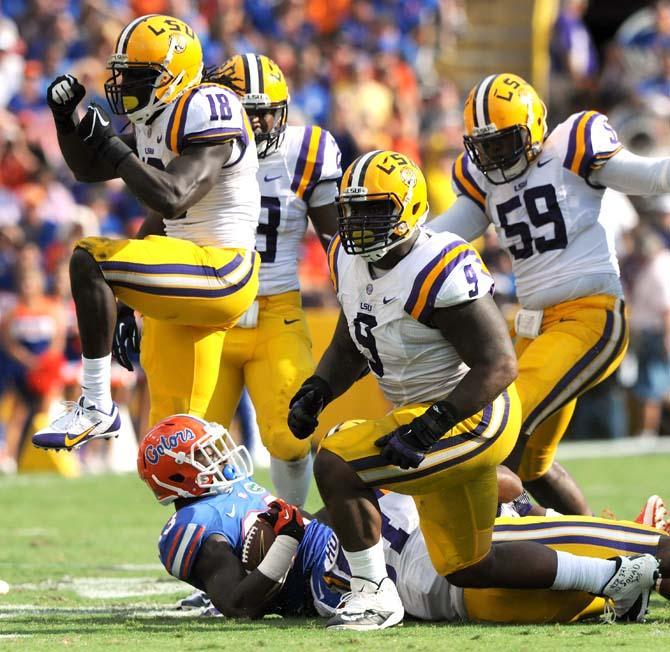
(629, 447)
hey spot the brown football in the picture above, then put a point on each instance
(256, 544)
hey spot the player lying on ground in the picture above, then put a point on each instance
(543, 193)
(214, 542)
(417, 309)
(270, 349)
(191, 159)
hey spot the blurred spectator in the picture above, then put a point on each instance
(650, 328)
(11, 61)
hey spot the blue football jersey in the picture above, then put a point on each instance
(231, 514)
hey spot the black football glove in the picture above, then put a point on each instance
(96, 130)
(63, 95)
(126, 336)
(408, 444)
(307, 404)
(284, 519)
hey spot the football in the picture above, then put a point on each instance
(257, 542)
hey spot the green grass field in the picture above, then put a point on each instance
(80, 558)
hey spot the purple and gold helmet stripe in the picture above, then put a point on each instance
(480, 102)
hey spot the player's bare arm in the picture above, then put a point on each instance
(324, 220)
(478, 331)
(152, 225)
(186, 180)
(234, 593)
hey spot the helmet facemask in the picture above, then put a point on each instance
(270, 141)
(502, 155)
(219, 461)
(370, 225)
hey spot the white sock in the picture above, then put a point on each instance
(97, 383)
(292, 479)
(576, 573)
(369, 563)
(550, 513)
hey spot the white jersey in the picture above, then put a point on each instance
(423, 592)
(227, 216)
(287, 178)
(389, 317)
(550, 219)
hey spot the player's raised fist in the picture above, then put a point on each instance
(63, 95)
(284, 519)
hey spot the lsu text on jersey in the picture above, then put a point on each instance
(549, 220)
(197, 281)
(271, 353)
(455, 487)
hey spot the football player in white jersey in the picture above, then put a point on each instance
(192, 160)
(543, 193)
(269, 350)
(417, 309)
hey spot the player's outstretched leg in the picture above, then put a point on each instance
(373, 602)
(94, 415)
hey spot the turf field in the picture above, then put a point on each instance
(80, 558)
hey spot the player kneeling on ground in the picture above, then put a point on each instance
(254, 555)
(417, 309)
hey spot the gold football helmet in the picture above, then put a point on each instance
(155, 60)
(505, 126)
(383, 200)
(260, 83)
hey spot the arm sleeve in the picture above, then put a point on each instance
(179, 547)
(464, 218)
(634, 175)
(318, 161)
(324, 193)
(207, 115)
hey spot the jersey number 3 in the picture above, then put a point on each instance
(538, 218)
(269, 229)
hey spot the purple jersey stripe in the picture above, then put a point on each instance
(302, 159)
(439, 282)
(182, 121)
(595, 541)
(421, 276)
(185, 292)
(588, 154)
(471, 179)
(318, 167)
(566, 521)
(572, 142)
(211, 135)
(192, 270)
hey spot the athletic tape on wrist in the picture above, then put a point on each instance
(279, 559)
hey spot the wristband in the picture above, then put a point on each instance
(65, 124)
(445, 416)
(277, 563)
(114, 151)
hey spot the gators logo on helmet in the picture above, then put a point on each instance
(383, 199)
(505, 126)
(156, 58)
(262, 88)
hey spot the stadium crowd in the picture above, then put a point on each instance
(369, 72)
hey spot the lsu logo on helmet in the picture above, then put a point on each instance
(383, 199)
(505, 126)
(156, 58)
(262, 88)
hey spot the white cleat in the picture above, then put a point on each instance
(631, 585)
(368, 606)
(80, 423)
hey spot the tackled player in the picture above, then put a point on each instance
(191, 159)
(543, 193)
(417, 309)
(270, 350)
(304, 572)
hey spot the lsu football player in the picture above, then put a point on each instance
(417, 310)
(191, 159)
(269, 350)
(196, 466)
(543, 193)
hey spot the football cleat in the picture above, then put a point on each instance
(368, 606)
(196, 600)
(630, 586)
(654, 514)
(80, 423)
